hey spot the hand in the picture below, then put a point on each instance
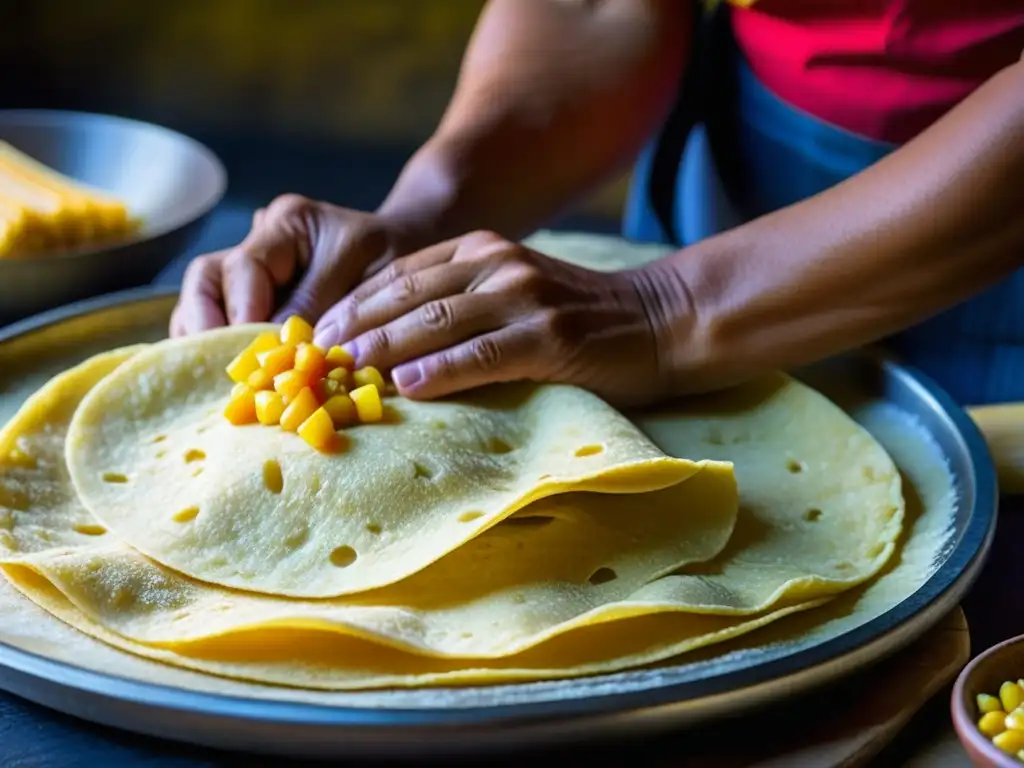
(326, 248)
(480, 309)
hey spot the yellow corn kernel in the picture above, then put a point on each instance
(269, 407)
(260, 380)
(242, 366)
(342, 410)
(987, 703)
(1010, 742)
(296, 331)
(337, 357)
(241, 407)
(368, 405)
(326, 388)
(265, 342)
(277, 360)
(340, 375)
(310, 358)
(1015, 720)
(290, 383)
(298, 410)
(1012, 696)
(368, 375)
(992, 723)
(318, 431)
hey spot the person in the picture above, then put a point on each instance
(832, 174)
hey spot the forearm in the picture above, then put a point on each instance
(554, 96)
(929, 226)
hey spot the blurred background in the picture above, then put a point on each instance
(327, 98)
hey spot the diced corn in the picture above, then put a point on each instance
(269, 407)
(265, 342)
(295, 331)
(368, 405)
(290, 383)
(369, 375)
(277, 360)
(318, 431)
(310, 358)
(340, 375)
(342, 410)
(241, 407)
(1010, 742)
(326, 388)
(1011, 695)
(338, 357)
(260, 380)
(242, 366)
(987, 703)
(992, 723)
(1015, 719)
(300, 409)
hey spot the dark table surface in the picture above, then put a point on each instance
(33, 737)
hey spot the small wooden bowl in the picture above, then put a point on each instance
(984, 674)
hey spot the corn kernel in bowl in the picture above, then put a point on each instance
(1001, 718)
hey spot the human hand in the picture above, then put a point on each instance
(480, 309)
(326, 249)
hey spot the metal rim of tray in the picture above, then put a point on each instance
(741, 686)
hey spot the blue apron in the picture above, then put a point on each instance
(734, 151)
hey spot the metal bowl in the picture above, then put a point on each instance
(171, 181)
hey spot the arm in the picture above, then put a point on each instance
(554, 96)
(927, 227)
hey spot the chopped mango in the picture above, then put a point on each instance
(369, 407)
(326, 388)
(277, 360)
(298, 410)
(265, 342)
(243, 366)
(296, 331)
(310, 358)
(342, 410)
(290, 383)
(269, 408)
(241, 407)
(369, 375)
(318, 431)
(260, 380)
(338, 357)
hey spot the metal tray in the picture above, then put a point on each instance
(483, 720)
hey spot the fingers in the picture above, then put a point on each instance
(341, 322)
(507, 354)
(200, 303)
(429, 328)
(412, 291)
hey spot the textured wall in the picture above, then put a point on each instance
(352, 70)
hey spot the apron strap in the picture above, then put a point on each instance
(686, 113)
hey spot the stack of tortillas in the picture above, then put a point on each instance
(519, 533)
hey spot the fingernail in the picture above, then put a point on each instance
(407, 375)
(327, 336)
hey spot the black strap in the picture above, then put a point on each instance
(685, 114)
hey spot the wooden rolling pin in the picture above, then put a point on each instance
(1003, 428)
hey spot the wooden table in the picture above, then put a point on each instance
(32, 737)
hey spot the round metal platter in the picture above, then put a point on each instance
(488, 719)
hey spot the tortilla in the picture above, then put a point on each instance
(566, 561)
(404, 494)
(538, 623)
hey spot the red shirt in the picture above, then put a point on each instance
(884, 69)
